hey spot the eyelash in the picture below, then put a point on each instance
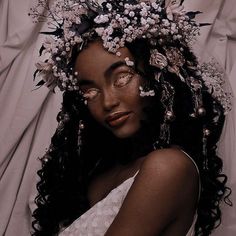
(90, 96)
(127, 77)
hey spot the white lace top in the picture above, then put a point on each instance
(99, 217)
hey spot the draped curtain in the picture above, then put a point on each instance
(28, 115)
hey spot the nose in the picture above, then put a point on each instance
(110, 100)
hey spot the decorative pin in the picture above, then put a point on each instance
(146, 92)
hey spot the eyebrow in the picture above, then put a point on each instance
(107, 72)
(113, 67)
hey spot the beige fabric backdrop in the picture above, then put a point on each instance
(27, 116)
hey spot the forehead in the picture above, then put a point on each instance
(95, 59)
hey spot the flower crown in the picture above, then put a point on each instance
(167, 28)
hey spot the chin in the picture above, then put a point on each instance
(125, 131)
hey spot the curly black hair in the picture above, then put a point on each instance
(67, 171)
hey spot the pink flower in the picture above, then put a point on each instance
(157, 59)
(175, 58)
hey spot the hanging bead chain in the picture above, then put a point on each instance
(81, 127)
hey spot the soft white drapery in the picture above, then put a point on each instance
(28, 116)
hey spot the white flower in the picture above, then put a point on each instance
(99, 30)
(129, 62)
(101, 19)
(44, 66)
(154, 5)
(150, 21)
(46, 71)
(143, 93)
(144, 12)
(126, 20)
(131, 14)
(143, 21)
(127, 31)
(109, 6)
(118, 54)
(174, 8)
(128, 6)
(165, 22)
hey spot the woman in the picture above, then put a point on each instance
(135, 149)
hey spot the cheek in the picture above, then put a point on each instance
(131, 95)
(95, 112)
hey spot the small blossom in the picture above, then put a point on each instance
(101, 19)
(109, 6)
(118, 54)
(143, 93)
(131, 14)
(129, 62)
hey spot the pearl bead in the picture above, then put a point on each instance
(45, 159)
(206, 132)
(81, 126)
(201, 111)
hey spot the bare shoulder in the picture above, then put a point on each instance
(167, 173)
(165, 188)
(169, 162)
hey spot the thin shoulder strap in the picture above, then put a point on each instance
(191, 160)
(199, 190)
(135, 173)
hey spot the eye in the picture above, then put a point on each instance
(91, 93)
(123, 79)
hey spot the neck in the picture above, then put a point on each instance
(138, 146)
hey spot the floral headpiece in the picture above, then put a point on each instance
(168, 29)
(116, 23)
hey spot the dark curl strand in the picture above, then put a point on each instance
(65, 173)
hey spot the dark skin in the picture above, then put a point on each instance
(162, 199)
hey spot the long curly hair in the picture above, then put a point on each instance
(68, 168)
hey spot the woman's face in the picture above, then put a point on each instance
(111, 89)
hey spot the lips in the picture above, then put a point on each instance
(117, 119)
